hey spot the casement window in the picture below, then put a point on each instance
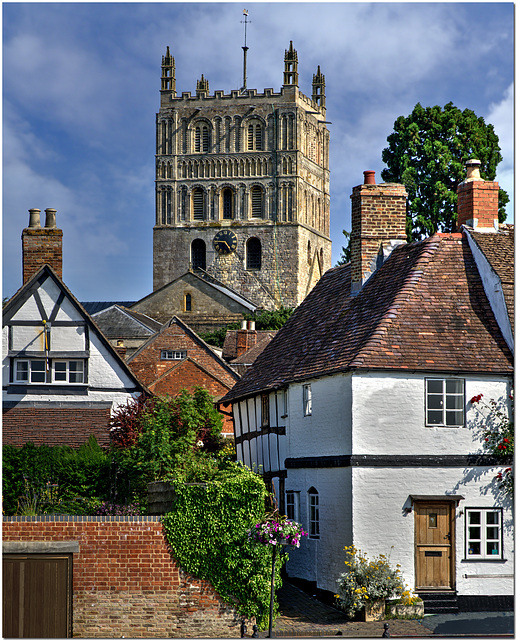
(253, 254)
(265, 410)
(30, 371)
(444, 402)
(313, 513)
(60, 371)
(284, 403)
(292, 503)
(167, 354)
(484, 534)
(307, 399)
(68, 371)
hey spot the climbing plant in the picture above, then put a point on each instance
(207, 530)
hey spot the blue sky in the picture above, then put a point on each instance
(81, 90)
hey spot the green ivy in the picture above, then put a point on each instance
(207, 530)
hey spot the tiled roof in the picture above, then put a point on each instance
(95, 307)
(249, 356)
(118, 322)
(229, 350)
(499, 250)
(425, 309)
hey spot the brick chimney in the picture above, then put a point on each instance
(378, 224)
(41, 245)
(246, 337)
(477, 200)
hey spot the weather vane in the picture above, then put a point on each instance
(245, 48)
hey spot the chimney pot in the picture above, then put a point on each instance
(243, 324)
(34, 220)
(252, 325)
(50, 220)
(473, 170)
(369, 177)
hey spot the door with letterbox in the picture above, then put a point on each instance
(435, 545)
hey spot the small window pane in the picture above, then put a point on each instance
(454, 402)
(474, 517)
(60, 371)
(22, 371)
(492, 533)
(454, 386)
(474, 533)
(435, 402)
(493, 549)
(492, 517)
(435, 417)
(474, 549)
(435, 386)
(37, 373)
(454, 418)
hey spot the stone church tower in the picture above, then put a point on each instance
(242, 186)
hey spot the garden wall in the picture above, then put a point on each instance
(125, 581)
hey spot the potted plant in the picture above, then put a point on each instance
(364, 588)
(407, 605)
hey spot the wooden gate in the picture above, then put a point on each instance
(37, 596)
(435, 545)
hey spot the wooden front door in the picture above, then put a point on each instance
(36, 596)
(435, 545)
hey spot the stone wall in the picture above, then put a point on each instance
(125, 581)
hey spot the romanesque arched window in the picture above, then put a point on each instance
(253, 254)
(198, 204)
(202, 138)
(198, 250)
(227, 204)
(255, 136)
(257, 202)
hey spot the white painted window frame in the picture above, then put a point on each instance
(18, 379)
(307, 399)
(68, 371)
(314, 531)
(292, 504)
(173, 354)
(431, 396)
(472, 538)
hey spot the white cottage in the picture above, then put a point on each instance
(61, 378)
(359, 410)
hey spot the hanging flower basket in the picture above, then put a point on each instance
(277, 530)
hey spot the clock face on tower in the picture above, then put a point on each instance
(225, 242)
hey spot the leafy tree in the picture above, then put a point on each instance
(265, 321)
(168, 438)
(427, 153)
(345, 256)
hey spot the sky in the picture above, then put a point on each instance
(81, 91)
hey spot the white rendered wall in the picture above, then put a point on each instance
(327, 431)
(389, 416)
(322, 559)
(382, 526)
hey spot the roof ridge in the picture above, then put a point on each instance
(410, 283)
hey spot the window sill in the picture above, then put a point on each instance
(48, 389)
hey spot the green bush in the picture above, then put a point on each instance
(207, 530)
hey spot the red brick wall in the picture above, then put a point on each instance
(126, 583)
(477, 200)
(39, 247)
(54, 426)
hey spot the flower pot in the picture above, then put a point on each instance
(372, 611)
(416, 609)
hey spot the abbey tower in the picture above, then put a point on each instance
(242, 186)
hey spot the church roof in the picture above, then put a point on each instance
(425, 309)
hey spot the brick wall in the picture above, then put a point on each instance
(378, 218)
(125, 581)
(477, 204)
(54, 425)
(39, 247)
